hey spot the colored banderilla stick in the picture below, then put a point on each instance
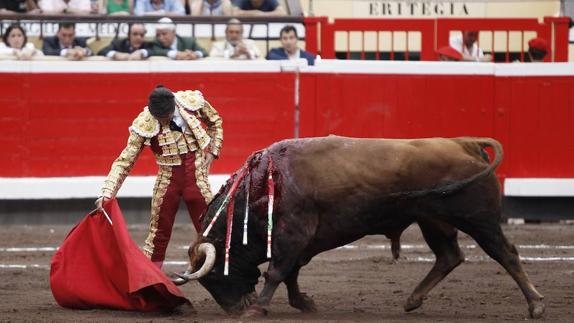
(271, 193)
(226, 201)
(246, 219)
(230, 211)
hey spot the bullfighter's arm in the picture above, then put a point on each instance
(214, 128)
(122, 165)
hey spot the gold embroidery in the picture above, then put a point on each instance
(145, 124)
(172, 160)
(214, 127)
(195, 129)
(189, 100)
(201, 176)
(160, 188)
(122, 165)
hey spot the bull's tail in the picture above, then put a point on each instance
(474, 146)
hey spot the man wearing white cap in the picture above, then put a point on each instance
(169, 44)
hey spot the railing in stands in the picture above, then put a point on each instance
(407, 39)
(434, 33)
(192, 21)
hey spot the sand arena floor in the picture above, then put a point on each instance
(356, 283)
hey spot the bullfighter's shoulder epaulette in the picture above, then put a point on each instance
(145, 124)
(189, 100)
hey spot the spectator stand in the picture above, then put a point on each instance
(264, 30)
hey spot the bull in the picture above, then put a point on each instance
(334, 190)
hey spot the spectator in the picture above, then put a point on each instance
(117, 7)
(234, 46)
(159, 8)
(16, 43)
(467, 45)
(448, 53)
(258, 8)
(537, 49)
(211, 8)
(66, 44)
(132, 48)
(290, 50)
(18, 6)
(169, 44)
(65, 6)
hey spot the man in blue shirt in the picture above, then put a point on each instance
(159, 8)
(258, 8)
(290, 50)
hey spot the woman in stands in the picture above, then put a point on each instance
(15, 43)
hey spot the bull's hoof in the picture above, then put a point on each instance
(254, 311)
(412, 304)
(304, 303)
(536, 309)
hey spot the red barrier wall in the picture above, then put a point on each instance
(533, 117)
(76, 124)
(535, 122)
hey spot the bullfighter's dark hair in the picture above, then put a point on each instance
(9, 30)
(161, 102)
(288, 28)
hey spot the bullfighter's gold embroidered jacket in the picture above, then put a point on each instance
(167, 145)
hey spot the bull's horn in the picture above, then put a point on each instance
(181, 277)
(206, 249)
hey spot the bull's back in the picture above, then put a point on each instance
(353, 169)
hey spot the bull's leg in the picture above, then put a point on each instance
(291, 238)
(492, 240)
(297, 299)
(442, 239)
(277, 272)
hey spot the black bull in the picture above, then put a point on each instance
(334, 190)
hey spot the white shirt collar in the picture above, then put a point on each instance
(178, 119)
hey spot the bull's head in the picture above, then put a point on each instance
(236, 291)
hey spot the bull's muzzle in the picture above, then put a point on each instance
(206, 249)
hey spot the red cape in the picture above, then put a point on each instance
(99, 266)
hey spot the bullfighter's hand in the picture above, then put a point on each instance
(100, 202)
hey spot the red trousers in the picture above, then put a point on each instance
(187, 181)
